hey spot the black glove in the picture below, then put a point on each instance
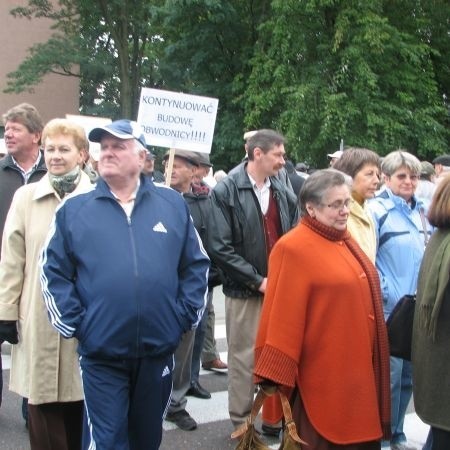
(8, 331)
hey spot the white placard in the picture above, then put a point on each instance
(88, 123)
(175, 120)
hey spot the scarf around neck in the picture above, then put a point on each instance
(65, 184)
(381, 361)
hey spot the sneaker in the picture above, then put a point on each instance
(215, 364)
(182, 420)
(196, 390)
(402, 446)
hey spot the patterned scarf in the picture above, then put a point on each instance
(65, 184)
(381, 363)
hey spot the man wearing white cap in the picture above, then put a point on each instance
(333, 157)
(125, 273)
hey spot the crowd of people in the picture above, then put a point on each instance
(107, 278)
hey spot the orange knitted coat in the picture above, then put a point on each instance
(317, 331)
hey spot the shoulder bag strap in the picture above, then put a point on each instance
(424, 225)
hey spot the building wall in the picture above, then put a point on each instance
(56, 95)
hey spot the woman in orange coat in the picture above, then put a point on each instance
(322, 332)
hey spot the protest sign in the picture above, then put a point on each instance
(176, 120)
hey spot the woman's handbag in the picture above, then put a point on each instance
(248, 436)
(400, 326)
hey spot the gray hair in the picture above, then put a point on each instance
(400, 158)
(138, 147)
(318, 184)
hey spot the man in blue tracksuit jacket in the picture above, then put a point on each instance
(124, 272)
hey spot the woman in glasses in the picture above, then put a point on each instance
(402, 233)
(363, 166)
(323, 306)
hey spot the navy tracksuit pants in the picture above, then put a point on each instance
(126, 401)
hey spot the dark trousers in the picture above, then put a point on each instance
(1, 374)
(441, 439)
(198, 343)
(125, 402)
(55, 426)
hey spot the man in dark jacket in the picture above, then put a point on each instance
(23, 164)
(183, 170)
(251, 209)
(125, 273)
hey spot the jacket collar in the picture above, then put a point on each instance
(103, 190)
(360, 211)
(44, 188)
(8, 162)
(242, 179)
(392, 201)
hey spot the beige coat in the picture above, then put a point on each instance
(362, 228)
(44, 366)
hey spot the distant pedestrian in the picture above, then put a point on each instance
(426, 185)
(334, 157)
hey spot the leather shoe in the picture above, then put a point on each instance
(182, 420)
(198, 391)
(215, 364)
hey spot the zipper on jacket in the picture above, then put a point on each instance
(136, 275)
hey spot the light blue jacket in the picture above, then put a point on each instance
(400, 244)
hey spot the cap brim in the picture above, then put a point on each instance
(96, 134)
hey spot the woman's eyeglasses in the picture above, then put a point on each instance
(339, 206)
(403, 176)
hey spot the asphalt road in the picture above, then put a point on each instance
(214, 426)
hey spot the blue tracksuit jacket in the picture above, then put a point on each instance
(125, 288)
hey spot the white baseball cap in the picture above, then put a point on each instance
(337, 154)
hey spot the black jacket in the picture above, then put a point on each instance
(236, 238)
(199, 203)
(10, 180)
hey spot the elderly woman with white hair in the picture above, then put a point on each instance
(402, 233)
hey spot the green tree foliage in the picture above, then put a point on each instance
(357, 70)
(375, 73)
(105, 42)
(208, 48)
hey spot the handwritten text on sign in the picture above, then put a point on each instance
(175, 120)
